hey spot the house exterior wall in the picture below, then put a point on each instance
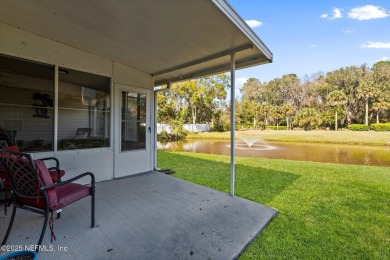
(18, 43)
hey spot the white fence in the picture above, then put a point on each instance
(164, 127)
(197, 127)
(189, 127)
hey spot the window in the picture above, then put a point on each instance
(27, 107)
(26, 103)
(133, 130)
(83, 110)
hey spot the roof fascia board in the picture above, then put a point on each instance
(204, 59)
(211, 71)
(243, 26)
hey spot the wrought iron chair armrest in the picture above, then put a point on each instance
(48, 187)
(51, 158)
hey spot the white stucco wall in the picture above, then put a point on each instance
(18, 43)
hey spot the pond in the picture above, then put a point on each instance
(330, 153)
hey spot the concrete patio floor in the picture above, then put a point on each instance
(148, 216)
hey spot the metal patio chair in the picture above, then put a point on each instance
(5, 186)
(33, 189)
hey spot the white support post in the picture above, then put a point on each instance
(155, 130)
(232, 123)
(155, 92)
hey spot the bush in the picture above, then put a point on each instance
(177, 134)
(260, 126)
(245, 126)
(216, 128)
(358, 127)
(163, 136)
(380, 127)
(220, 127)
(273, 127)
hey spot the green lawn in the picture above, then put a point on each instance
(326, 211)
(315, 136)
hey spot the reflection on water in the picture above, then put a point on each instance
(333, 153)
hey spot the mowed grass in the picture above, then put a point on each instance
(326, 211)
(300, 136)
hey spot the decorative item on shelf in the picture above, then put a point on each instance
(45, 101)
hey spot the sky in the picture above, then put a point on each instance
(307, 37)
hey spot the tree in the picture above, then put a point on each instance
(167, 107)
(276, 114)
(348, 80)
(315, 89)
(266, 109)
(245, 112)
(189, 93)
(342, 96)
(381, 72)
(287, 111)
(367, 89)
(309, 118)
(202, 96)
(252, 90)
(336, 99)
(380, 107)
(289, 91)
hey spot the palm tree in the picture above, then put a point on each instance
(367, 90)
(380, 106)
(336, 99)
(309, 118)
(41, 109)
(287, 111)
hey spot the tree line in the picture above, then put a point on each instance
(337, 99)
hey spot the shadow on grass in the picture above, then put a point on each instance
(253, 183)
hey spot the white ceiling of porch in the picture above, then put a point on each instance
(170, 39)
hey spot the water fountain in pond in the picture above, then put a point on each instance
(254, 144)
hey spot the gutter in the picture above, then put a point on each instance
(240, 23)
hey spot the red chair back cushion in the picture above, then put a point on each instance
(46, 179)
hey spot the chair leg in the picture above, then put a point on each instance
(93, 209)
(43, 229)
(11, 222)
(59, 213)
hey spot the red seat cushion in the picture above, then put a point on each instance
(70, 193)
(66, 195)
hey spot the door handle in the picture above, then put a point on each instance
(150, 129)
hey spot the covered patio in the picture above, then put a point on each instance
(148, 216)
(124, 51)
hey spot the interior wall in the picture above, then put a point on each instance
(18, 43)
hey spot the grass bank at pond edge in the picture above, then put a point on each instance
(328, 211)
(326, 137)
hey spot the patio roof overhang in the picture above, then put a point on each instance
(171, 40)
